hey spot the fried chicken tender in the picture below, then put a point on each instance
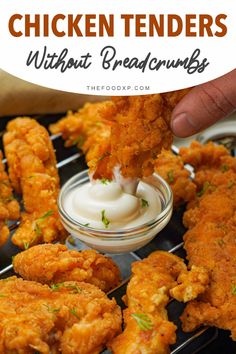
(56, 264)
(212, 246)
(216, 201)
(28, 149)
(208, 160)
(9, 207)
(77, 127)
(210, 241)
(216, 206)
(127, 132)
(147, 329)
(75, 316)
(89, 131)
(4, 233)
(171, 168)
(139, 131)
(32, 170)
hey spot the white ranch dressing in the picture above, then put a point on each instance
(106, 205)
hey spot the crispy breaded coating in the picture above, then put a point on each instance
(77, 127)
(56, 264)
(216, 202)
(216, 206)
(212, 245)
(208, 160)
(190, 284)
(171, 168)
(36, 318)
(28, 149)
(128, 132)
(147, 329)
(89, 131)
(4, 233)
(33, 172)
(139, 131)
(9, 207)
(203, 156)
(210, 241)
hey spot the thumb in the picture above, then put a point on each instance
(204, 105)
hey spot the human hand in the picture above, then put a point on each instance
(204, 105)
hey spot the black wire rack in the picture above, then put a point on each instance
(204, 340)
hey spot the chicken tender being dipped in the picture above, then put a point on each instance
(33, 172)
(147, 329)
(9, 207)
(35, 318)
(140, 130)
(56, 264)
(127, 133)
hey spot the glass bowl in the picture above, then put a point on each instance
(120, 240)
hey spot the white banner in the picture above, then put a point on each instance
(117, 47)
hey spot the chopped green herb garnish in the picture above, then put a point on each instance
(224, 168)
(144, 203)
(105, 181)
(46, 215)
(104, 155)
(233, 291)
(76, 289)
(57, 286)
(105, 221)
(170, 175)
(79, 141)
(73, 312)
(221, 242)
(206, 185)
(51, 309)
(144, 322)
(86, 224)
(26, 245)
(38, 230)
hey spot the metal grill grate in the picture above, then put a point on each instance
(70, 161)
